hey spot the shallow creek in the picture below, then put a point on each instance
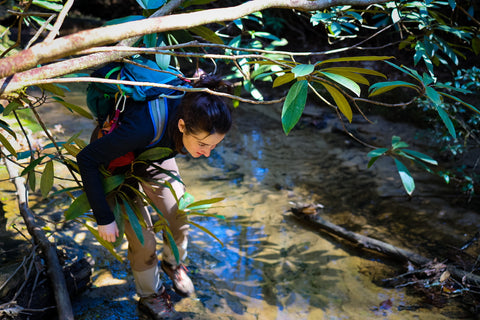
(271, 266)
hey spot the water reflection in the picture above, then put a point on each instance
(273, 268)
(259, 173)
(251, 267)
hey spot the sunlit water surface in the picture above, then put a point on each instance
(271, 266)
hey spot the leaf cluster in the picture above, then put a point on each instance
(435, 30)
(339, 82)
(126, 201)
(399, 151)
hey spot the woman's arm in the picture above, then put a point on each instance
(134, 134)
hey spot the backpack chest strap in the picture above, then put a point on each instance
(158, 113)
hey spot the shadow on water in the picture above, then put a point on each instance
(251, 265)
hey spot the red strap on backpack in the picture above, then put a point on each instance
(107, 128)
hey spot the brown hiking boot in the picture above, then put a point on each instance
(158, 306)
(181, 282)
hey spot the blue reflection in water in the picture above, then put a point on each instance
(256, 143)
(216, 160)
(258, 172)
(248, 264)
(234, 263)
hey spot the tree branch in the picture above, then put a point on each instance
(46, 52)
(58, 24)
(151, 84)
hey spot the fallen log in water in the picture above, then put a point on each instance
(393, 252)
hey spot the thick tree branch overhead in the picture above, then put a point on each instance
(46, 52)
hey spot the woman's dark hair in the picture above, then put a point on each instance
(202, 111)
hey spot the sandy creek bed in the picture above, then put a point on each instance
(271, 266)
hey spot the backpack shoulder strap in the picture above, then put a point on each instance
(158, 113)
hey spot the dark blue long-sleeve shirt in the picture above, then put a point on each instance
(135, 133)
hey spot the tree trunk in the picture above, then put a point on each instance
(48, 250)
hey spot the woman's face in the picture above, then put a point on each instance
(200, 144)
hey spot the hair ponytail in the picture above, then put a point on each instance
(213, 82)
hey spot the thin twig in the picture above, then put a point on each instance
(193, 44)
(385, 104)
(28, 14)
(340, 118)
(58, 24)
(35, 282)
(14, 273)
(357, 45)
(14, 226)
(468, 14)
(214, 62)
(321, 97)
(24, 132)
(241, 70)
(197, 44)
(32, 255)
(351, 135)
(45, 129)
(161, 50)
(17, 42)
(39, 32)
(23, 166)
(354, 101)
(151, 84)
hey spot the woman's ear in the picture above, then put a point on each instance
(181, 125)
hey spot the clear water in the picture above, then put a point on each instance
(271, 266)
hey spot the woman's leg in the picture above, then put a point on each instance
(164, 200)
(143, 258)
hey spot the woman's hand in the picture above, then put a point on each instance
(108, 232)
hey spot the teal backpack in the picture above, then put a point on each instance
(106, 100)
